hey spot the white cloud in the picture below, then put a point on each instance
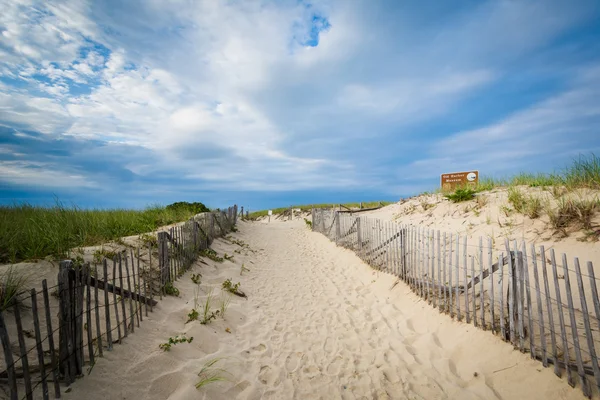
(228, 92)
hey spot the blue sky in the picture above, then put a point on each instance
(270, 103)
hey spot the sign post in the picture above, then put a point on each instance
(270, 212)
(455, 180)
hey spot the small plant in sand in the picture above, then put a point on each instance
(207, 313)
(573, 211)
(12, 283)
(233, 288)
(196, 278)
(209, 374)
(211, 254)
(234, 229)
(148, 239)
(174, 341)
(227, 257)
(426, 206)
(103, 253)
(308, 223)
(171, 290)
(243, 268)
(461, 195)
(224, 305)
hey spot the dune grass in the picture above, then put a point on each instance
(30, 232)
(308, 207)
(583, 172)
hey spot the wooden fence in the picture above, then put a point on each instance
(93, 307)
(543, 305)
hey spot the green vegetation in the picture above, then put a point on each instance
(192, 208)
(208, 374)
(31, 232)
(171, 290)
(210, 253)
(207, 313)
(573, 211)
(461, 195)
(584, 172)
(12, 283)
(196, 278)
(307, 207)
(233, 288)
(173, 341)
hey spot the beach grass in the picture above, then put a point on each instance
(30, 232)
(583, 172)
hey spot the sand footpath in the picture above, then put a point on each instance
(318, 324)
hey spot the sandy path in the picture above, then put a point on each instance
(318, 324)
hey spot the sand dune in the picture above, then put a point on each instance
(318, 324)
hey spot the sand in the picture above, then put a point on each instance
(318, 324)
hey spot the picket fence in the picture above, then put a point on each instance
(494, 286)
(97, 307)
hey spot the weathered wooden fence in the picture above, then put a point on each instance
(56, 336)
(543, 305)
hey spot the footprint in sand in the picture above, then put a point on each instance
(268, 376)
(257, 349)
(292, 361)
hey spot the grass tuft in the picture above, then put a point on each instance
(12, 284)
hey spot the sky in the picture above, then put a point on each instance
(278, 102)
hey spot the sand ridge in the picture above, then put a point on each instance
(318, 324)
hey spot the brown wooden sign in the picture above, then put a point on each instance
(459, 179)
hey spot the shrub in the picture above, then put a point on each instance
(174, 341)
(461, 195)
(171, 290)
(233, 288)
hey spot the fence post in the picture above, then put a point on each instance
(8, 358)
(337, 227)
(163, 258)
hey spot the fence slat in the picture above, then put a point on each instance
(511, 293)
(439, 273)
(23, 349)
(8, 358)
(122, 300)
(501, 285)
(50, 336)
(137, 314)
(115, 303)
(88, 314)
(543, 342)
(444, 276)
(577, 348)
(429, 263)
(587, 325)
(151, 281)
(131, 314)
(450, 292)
(532, 350)
(109, 340)
(38, 343)
(474, 294)
(465, 266)
(519, 293)
(457, 267)
(97, 311)
(481, 289)
(492, 289)
(140, 275)
(550, 312)
(561, 318)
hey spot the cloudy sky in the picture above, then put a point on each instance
(267, 103)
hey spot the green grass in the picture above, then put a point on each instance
(583, 172)
(30, 232)
(12, 283)
(308, 207)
